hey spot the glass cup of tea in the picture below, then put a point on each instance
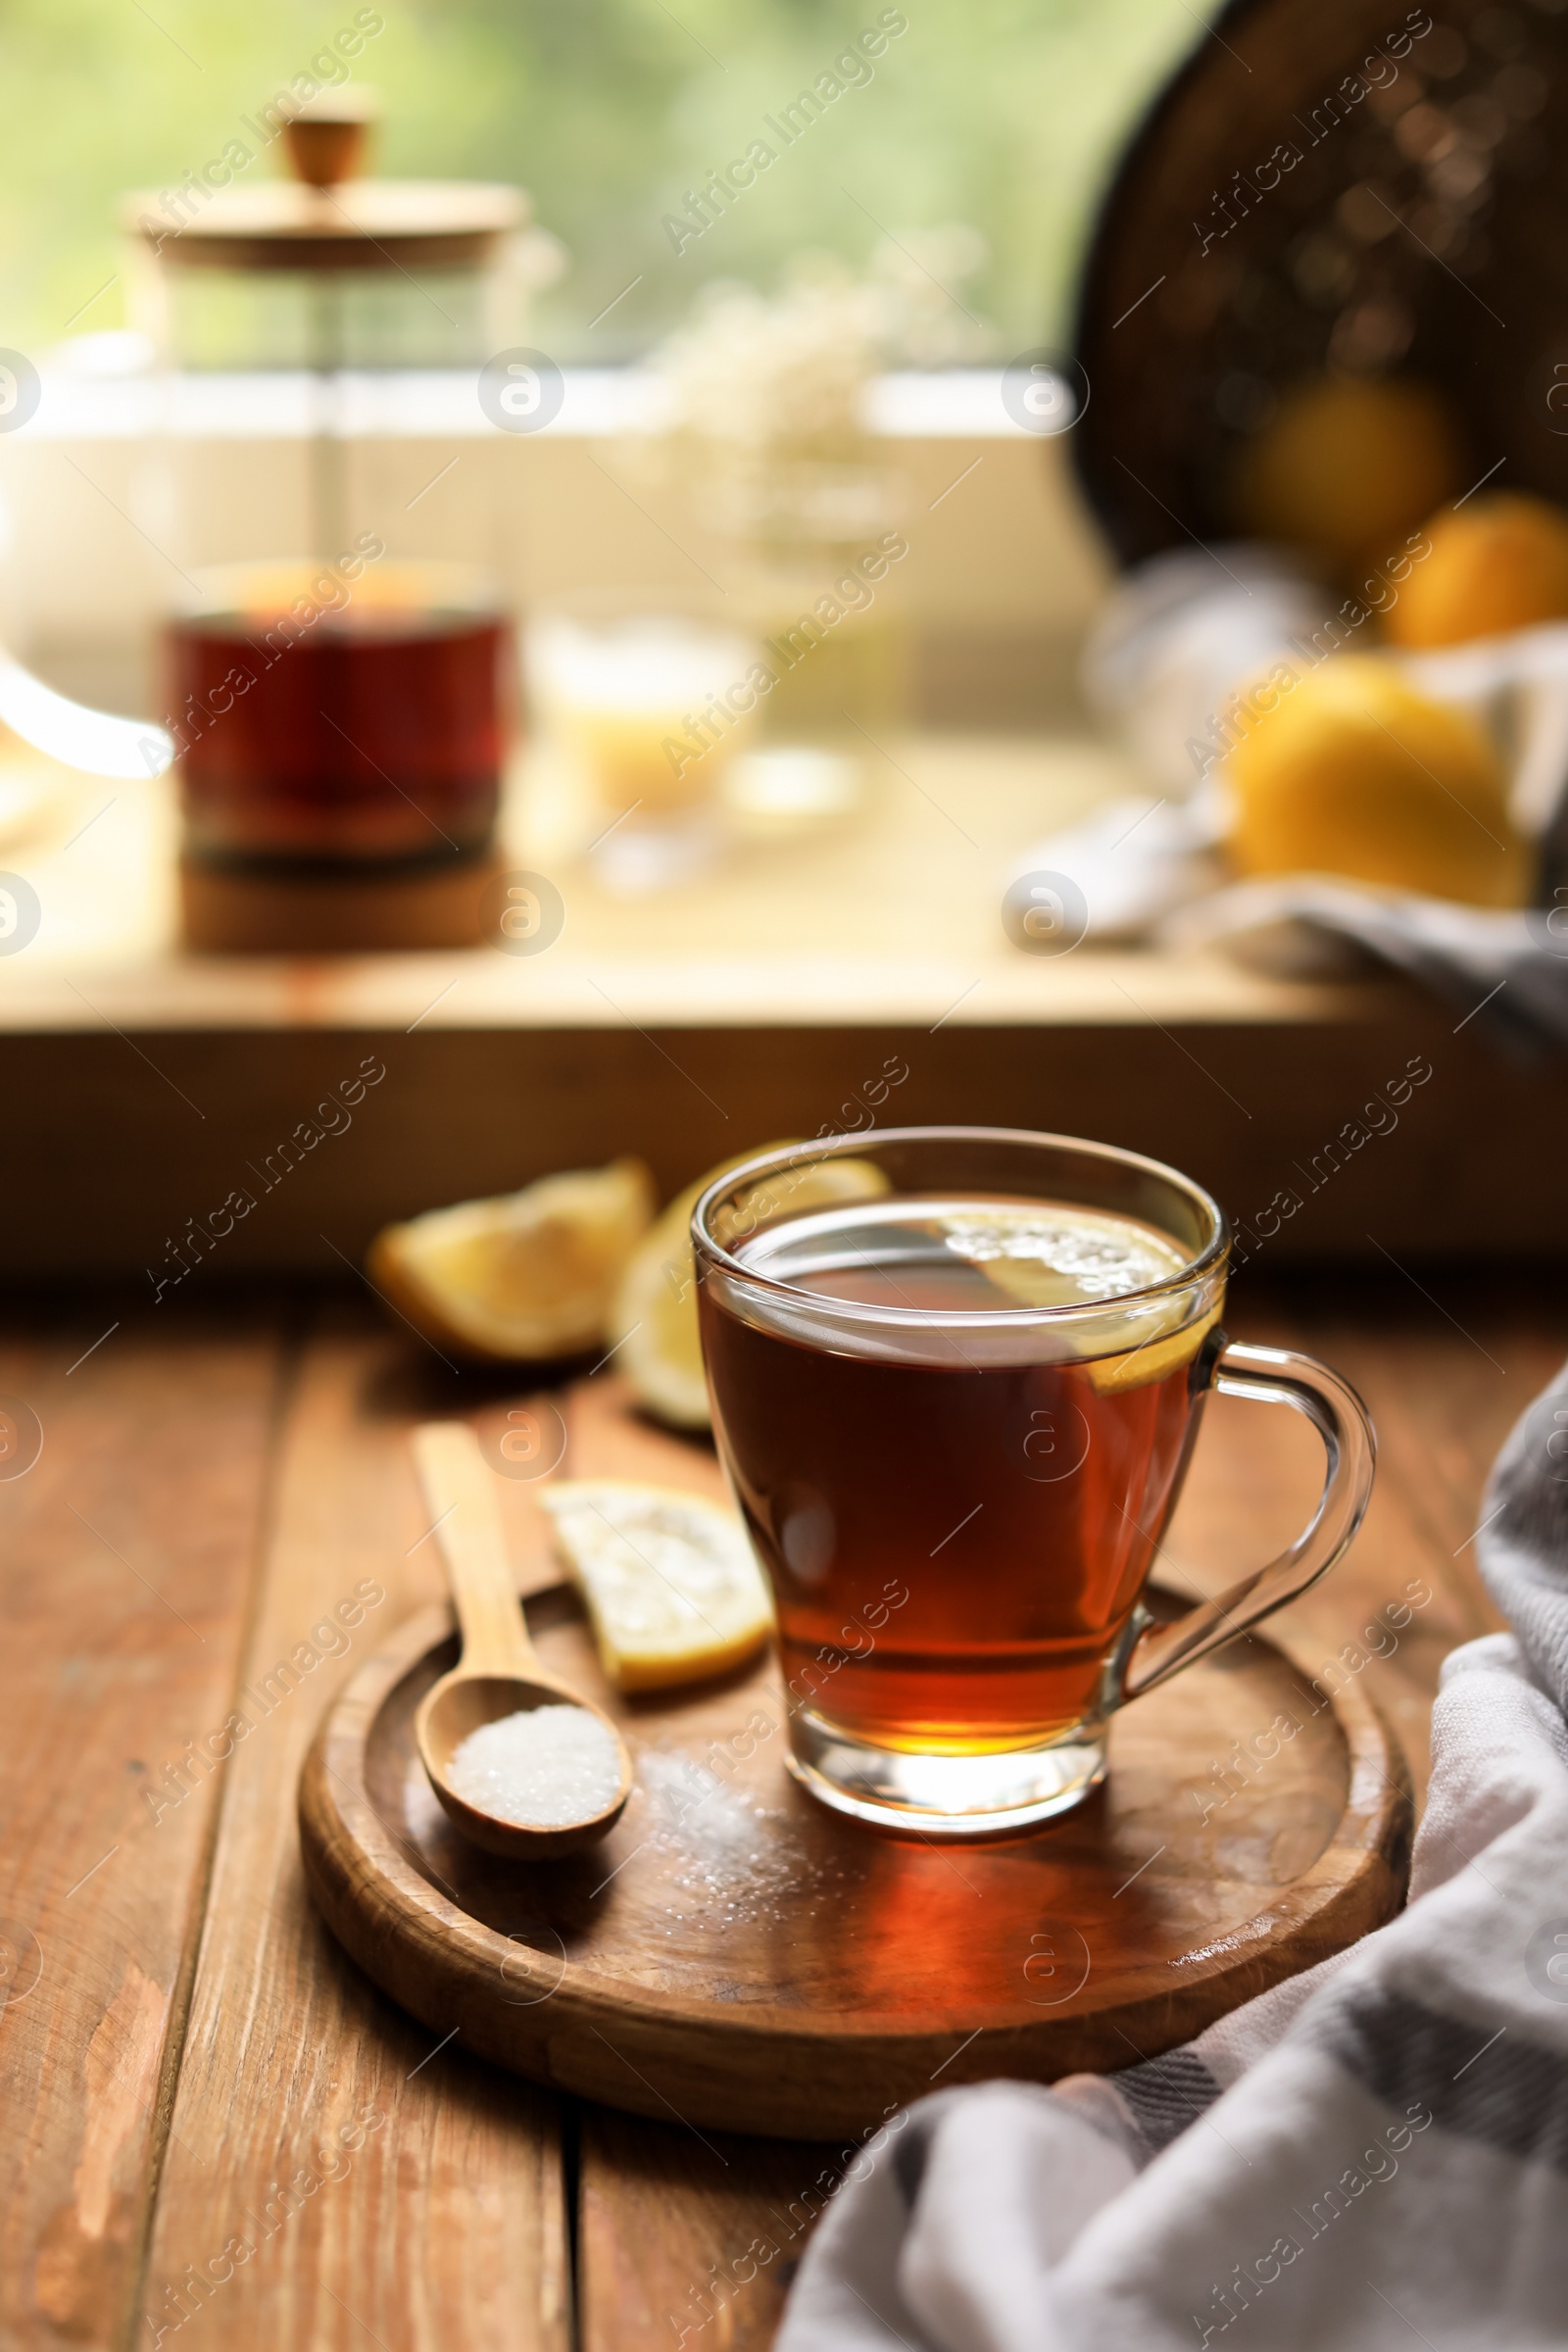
(957, 1374)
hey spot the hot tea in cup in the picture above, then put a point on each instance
(955, 1378)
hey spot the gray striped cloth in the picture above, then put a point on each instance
(1372, 2157)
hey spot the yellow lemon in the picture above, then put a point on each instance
(1347, 469)
(670, 1582)
(1053, 1255)
(655, 1316)
(521, 1278)
(1499, 563)
(1353, 772)
(1151, 1360)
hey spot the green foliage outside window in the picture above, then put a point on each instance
(1003, 115)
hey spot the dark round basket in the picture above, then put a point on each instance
(1327, 186)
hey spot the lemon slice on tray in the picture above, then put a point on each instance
(655, 1317)
(670, 1582)
(524, 1277)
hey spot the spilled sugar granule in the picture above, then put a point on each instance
(728, 1858)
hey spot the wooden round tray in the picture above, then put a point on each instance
(736, 1956)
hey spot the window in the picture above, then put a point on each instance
(993, 115)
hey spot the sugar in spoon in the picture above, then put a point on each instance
(499, 1673)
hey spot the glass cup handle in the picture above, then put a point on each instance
(1270, 1376)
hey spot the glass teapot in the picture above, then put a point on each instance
(338, 654)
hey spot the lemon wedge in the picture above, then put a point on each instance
(669, 1580)
(524, 1277)
(655, 1316)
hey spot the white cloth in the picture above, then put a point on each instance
(1507, 973)
(1183, 633)
(1370, 2157)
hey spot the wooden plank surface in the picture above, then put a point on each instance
(139, 2142)
(127, 1556)
(336, 2174)
(692, 2239)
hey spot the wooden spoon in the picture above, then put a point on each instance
(500, 1672)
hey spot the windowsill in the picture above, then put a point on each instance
(961, 403)
(889, 913)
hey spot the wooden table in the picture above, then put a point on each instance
(191, 2076)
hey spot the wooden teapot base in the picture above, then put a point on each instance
(224, 910)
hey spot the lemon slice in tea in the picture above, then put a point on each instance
(1150, 1359)
(1058, 1256)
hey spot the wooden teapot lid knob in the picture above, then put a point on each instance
(328, 215)
(327, 139)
